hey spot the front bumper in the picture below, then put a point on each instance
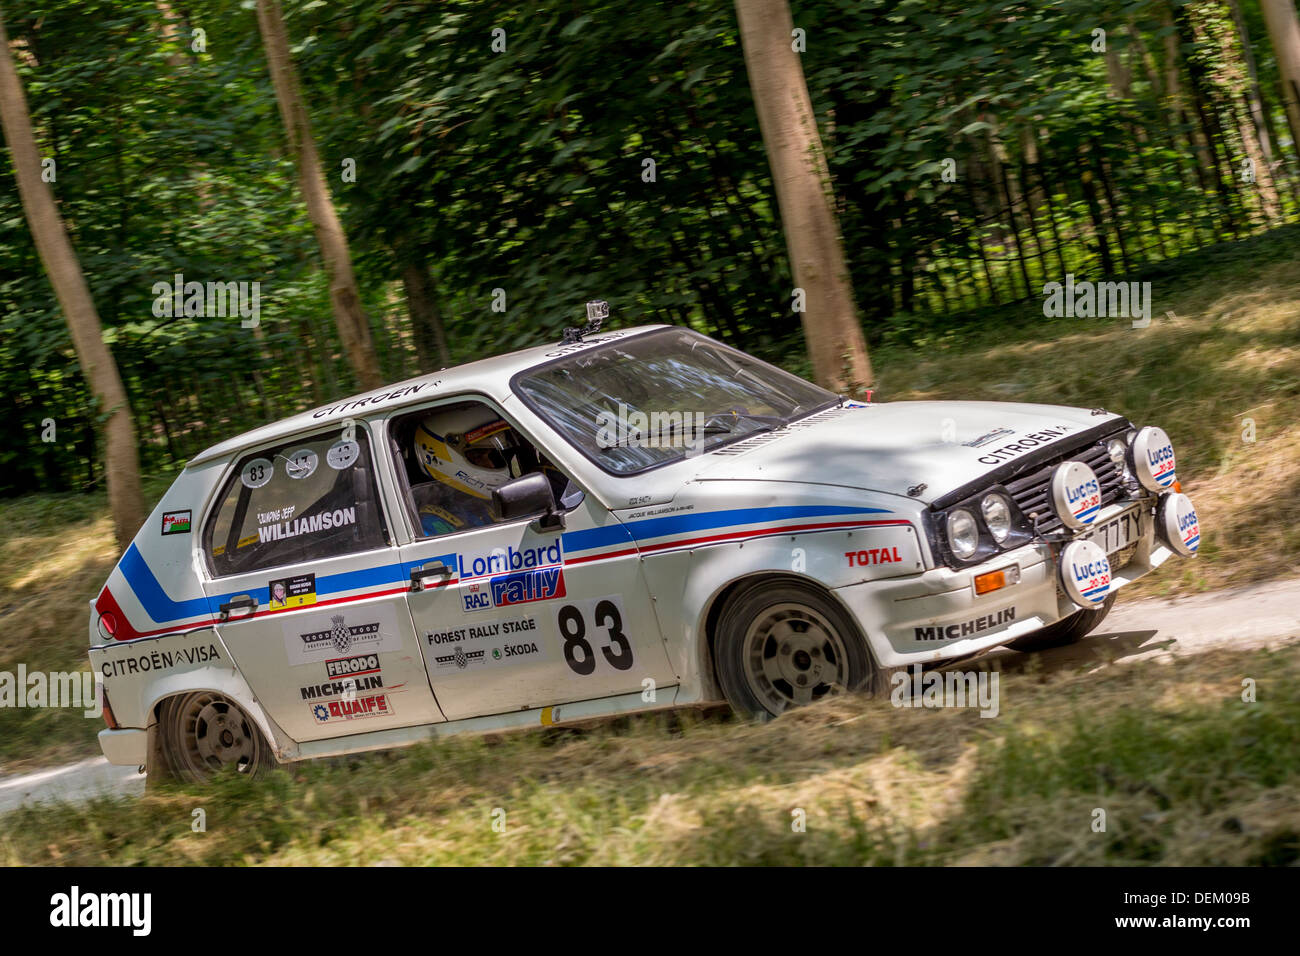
(937, 615)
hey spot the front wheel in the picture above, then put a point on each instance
(203, 734)
(784, 645)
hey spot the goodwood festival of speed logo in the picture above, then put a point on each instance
(459, 658)
(340, 634)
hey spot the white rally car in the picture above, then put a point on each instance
(640, 519)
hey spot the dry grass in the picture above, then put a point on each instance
(1186, 771)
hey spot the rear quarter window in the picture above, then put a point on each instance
(299, 501)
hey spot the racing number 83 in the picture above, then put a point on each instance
(573, 628)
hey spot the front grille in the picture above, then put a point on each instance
(1031, 492)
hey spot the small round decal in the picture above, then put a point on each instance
(1153, 459)
(1076, 494)
(342, 454)
(1085, 573)
(256, 473)
(301, 463)
(1181, 527)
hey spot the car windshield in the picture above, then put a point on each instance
(652, 399)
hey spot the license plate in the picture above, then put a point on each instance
(1119, 532)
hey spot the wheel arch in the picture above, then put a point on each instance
(707, 663)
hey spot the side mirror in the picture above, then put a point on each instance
(527, 497)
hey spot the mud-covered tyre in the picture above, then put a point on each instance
(784, 644)
(202, 734)
(1067, 630)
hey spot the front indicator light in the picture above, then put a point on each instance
(997, 580)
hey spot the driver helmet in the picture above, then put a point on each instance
(470, 449)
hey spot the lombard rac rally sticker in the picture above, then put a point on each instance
(1085, 573)
(1179, 523)
(1076, 494)
(1153, 459)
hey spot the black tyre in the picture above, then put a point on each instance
(1067, 630)
(785, 644)
(203, 734)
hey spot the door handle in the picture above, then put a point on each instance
(239, 603)
(434, 569)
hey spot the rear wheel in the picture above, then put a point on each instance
(203, 734)
(1067, 630)
(785, 644)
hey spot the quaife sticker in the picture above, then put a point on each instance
(176, 522)
(297, 591)
(354, 630)
(369, 705)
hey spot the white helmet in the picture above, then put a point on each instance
(468, 448)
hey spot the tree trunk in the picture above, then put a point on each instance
(1284, 31)
(427, 331)
(354, 327)
(802, 181)
(121, 456)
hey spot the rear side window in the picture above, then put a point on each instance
(300, 501)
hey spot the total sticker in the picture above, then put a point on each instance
(256, 473)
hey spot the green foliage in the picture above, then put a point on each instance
(524, 170)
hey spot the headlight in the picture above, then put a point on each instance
(997, 515)
(1117, 448)
(963, 533)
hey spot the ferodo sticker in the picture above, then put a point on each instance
(1153, 459)
(1178, 521)
(1085, 573)
(1076, 494)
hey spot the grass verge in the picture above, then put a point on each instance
(1184, 769)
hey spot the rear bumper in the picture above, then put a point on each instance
(937, 615)
(128, 748)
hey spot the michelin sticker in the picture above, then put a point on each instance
(356, 629)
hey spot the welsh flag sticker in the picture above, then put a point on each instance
(176, 522)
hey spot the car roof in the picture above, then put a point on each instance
(491, 376)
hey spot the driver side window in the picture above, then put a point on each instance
(454, 456)
(299, 501)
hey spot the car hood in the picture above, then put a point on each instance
(900, 447)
